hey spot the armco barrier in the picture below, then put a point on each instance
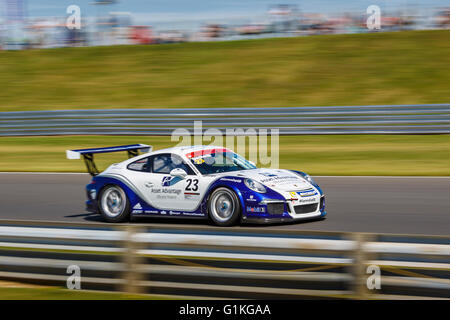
(226, 262)
(396, 119)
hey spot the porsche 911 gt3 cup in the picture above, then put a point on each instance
(204, 182)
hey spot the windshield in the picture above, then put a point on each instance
(218, 161)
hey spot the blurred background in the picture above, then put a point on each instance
(354, 106)
(41, 23)
(229, 54)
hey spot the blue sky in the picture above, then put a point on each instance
(154, 12)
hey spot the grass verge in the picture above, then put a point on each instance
(49, 293)
(398, 155)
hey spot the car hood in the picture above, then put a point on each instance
(277, 179)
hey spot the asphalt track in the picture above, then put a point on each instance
(406, 205)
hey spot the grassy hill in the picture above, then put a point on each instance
(359, 69)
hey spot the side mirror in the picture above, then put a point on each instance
(178, 172)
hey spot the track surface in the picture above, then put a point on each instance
(413, 205)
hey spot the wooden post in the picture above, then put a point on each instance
(131, 260)
(359, 285)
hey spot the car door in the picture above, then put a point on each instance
(166, 192)
(139, 174)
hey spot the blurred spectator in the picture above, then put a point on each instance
(442, 19)
(141, 35)
(213, 31)
(253, 28)
(171, 36)
(109, 28)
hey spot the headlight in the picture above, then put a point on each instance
(309, 179)
(255, 185)
(306, 176)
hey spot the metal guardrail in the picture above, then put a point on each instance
(225, 263)
(396, 119)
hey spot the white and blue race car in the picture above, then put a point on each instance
(205, 182)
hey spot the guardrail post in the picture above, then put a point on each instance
(358, 269)
(131, 260)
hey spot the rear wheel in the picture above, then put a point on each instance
(113, 204)
(224, 207)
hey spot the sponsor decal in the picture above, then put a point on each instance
(268, 174)
(166, 197)
(163, 212)
(256, 209)
(176, 213)
(278, 179)
(251, 198)
(293, 195)
(192, 214)
(191, 196)
(307, 193)
(310, 200)
(204, 152)
(137, 211)
(137, 206)
(166, 191)
(231, 180)
(151, 211)
(199, 161)
(169, 181)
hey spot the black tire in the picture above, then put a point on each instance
(224, 208)
(108, 207)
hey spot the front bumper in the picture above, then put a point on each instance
(91, 206)
(279, 211)
(254, 220)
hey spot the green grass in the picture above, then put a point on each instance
(358, 69)
(426, 155)
(65, 294)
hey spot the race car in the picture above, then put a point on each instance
(206, 182)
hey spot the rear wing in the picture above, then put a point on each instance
(88, 154)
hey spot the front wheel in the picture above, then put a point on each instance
(113, 204)
(224, 207)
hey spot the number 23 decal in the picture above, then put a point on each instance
(192, 185)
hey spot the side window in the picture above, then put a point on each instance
(166, 162)
(140, 165)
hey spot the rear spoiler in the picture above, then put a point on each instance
(88, 154)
